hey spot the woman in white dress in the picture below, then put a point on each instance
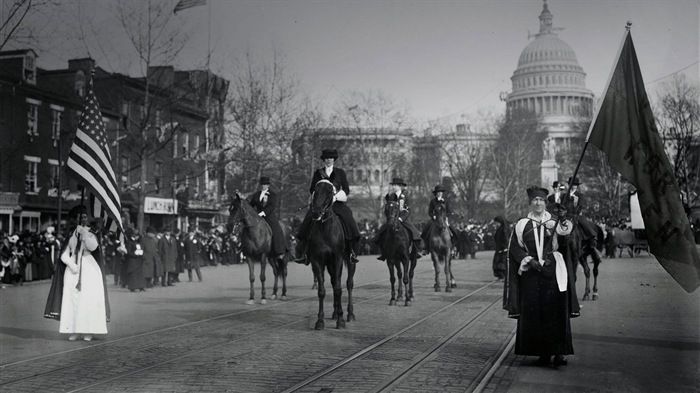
(83, 308)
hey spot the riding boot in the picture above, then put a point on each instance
(300, 253)
(416, 249)
(353, 256)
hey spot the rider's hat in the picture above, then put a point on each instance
(264, 180)
(438, 188)
(329, 153)
(536, 191)
(399, 181)
(574, 181)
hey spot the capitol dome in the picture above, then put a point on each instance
(548, 81)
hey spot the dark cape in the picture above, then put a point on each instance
(55, 298)
(543, 312)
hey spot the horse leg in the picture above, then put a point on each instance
(283, 271)
(595, 278)
(436, 268)
(275, 274)
(406, 263)
(336, 274)
(319, 274)
(251, 271)
(350, 283)
(587, 272)
(453, 283)
(411, 271)
(448, 275)
(399, 277)
(392, 279)
(315, 286)
(263, 267)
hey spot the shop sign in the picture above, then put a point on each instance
(160, 206)
(9, 198)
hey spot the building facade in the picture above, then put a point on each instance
(170, 124)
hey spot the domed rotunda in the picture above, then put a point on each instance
(550, 84)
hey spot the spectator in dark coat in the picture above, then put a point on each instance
(134, 261)
(152, 268)
(192, 255)
(167, 246)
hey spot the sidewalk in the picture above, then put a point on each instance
(642, 335)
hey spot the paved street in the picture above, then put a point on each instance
(641, 335)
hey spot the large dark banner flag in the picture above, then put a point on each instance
(90, 164)
(624, 129)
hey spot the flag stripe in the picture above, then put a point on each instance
(82, 138)
(80, 155)
(94, 185)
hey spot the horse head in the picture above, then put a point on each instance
(391, 212)
(235, 213)
(441, 214)
(322, 201)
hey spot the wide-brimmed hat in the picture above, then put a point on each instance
(438, 188)
(77, 210)
(536, 191)
(264, 180)
(329, 153)
(399, 181)
(574, 181)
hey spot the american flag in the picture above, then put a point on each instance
(185, 4)
(90, 164)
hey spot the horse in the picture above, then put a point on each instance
(326, 250)
(279, 265)
(440, 244)
(256, 243)
(396, 247)
(579, 254)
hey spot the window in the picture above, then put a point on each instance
(195, 150)
(195, 180)
(33, 117)
(29, 69)
(125, 171)
(158, 176)
(55, 174)
(30, 176)
(175, 145)
(57, 116)
(185, 145)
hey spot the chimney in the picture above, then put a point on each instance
(86, 65)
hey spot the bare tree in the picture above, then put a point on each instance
(24, 22)
(268, 111)
(379, 131)
(678, 115)
(515, 162)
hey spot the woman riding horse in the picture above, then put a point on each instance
(399, 195)
(438, 192)
(337, 177)
(265, 204)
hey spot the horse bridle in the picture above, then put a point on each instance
(326, 209)
(396, 222)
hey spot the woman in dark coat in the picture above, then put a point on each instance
(539, 288)
(500, 255)
(265, 204)
(134, 261)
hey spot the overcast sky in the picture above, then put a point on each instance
(442, 58)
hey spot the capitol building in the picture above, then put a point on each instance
(550, 86)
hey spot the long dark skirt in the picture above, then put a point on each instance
(55, 299)
(544, 328)
(499, 264)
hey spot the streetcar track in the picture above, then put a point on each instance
(381, 342)
(193, 338)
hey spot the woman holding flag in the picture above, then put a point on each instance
(83, 308)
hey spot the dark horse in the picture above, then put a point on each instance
(256, 244)
(440, 244)
(396, 247)
(580, 251)
(326, 250)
